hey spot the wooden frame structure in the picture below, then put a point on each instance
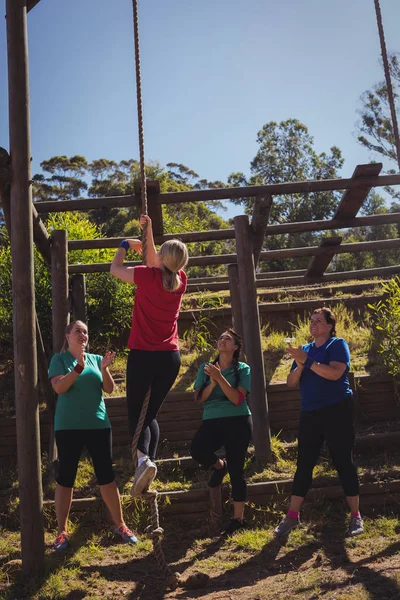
(26, 227)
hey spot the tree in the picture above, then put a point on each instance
(286, 153)
(65, 181)
(375, 127)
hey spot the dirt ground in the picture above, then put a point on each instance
(316, 562)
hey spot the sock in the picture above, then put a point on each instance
(141, 456)
(293, 514)
(355, 514)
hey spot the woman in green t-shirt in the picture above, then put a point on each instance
(81, 421)
(222, 387)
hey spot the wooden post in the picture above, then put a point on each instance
(25, 365)
(237, 319)
(59, 278)
(259, 222)
(154, 208)
(215, 495)
(78, 297)
(252, 338)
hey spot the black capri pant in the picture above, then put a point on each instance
(70, 444)
(334, 425)
(232, 432)
(145, 369)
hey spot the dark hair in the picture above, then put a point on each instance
(329, 318)
(68, 329)
(235, 361)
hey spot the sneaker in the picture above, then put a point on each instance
(62, 541)
(356, 526)
(218, 475)
(286, 525)
(126, 535)
(144, 476)
(235, 525)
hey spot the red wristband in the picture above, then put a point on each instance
(78, 368)
(241, 398)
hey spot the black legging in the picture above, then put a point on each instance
(144, 369)
(232, 432)
(333, 424)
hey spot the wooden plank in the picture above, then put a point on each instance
(252, 339)
(299, 187)
(24, 339)
(353, 198)
(259, 222)
(78, 297)
(225, 259)
(320, 263)
(60, 288)
(236, 306)
(154, 208)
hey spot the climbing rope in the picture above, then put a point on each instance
(154, 530)
(388, 79)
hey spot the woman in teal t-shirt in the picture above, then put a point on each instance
(222, 387)
(81, 421)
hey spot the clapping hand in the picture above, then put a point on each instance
(297, 354)
(213, 371)
(107, 360)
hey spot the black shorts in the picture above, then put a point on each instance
(70, 444)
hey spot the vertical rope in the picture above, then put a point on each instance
(388, 79)
(156, 530)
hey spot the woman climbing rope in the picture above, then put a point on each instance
(81, 421)
(154, 357)
(222, 387)
(326, 415)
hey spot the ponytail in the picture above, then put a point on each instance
(174, 257)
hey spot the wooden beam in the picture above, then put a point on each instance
(233, 286)
(195, 236)
(25, 354)
(154, 208)
(31, 4)
(228, 234)
(349, 206)
(225, 259)
(59, 288)
(78, 297)
(259, 222)
(319, 263)
(299, 187)
(353, 198)
(252, 340)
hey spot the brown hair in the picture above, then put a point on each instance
(68, 329)
(174, 257)
(329, 318)
(235, 360)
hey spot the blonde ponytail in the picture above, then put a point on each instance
(174, 257)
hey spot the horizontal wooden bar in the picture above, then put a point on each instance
(223, 259)
(227, 234)
(299, 187)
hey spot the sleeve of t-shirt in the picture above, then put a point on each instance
(200, 377)
(244, 377)
(340, 352)
(143, 275)
(294, 365)
(183, 278)
(56, 367)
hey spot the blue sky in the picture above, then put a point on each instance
(213, 73)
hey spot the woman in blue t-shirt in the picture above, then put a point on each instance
(80, 422)
(222, 387)
(321, 368)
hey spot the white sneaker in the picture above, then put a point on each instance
(144, 476)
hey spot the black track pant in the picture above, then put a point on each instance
(70, 444)
(333, 424)
(144, 369)
(232, 432)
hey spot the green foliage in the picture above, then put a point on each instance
(387, 315)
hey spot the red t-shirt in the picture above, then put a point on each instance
(156, 311)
